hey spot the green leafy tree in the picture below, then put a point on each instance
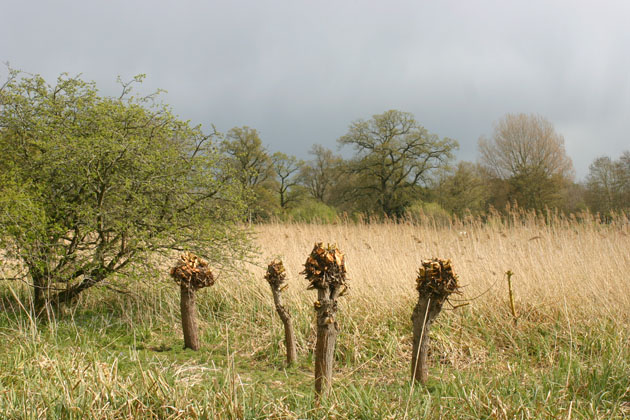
(92, 186)
(249, 157)
(394, 155)
(253, 168)
(463, 189)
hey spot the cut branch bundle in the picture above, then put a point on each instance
(436, 281)
(276, 277)
(191, 273)
(325, 270)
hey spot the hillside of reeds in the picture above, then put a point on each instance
(118, 353)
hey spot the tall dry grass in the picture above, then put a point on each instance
(581, 267)
(119, 356)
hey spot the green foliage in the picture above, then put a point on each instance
(395, 154)
(313, 211)
(264, 205)
(92, 185)
(121, 358)
(533, 189)
(463, 190)
(421, 212)
(252, 165)
(249, 158)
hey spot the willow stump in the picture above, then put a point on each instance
(276, 277)
(191, 273)
(436, 281)
(325, 270)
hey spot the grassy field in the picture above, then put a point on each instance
(568, 357)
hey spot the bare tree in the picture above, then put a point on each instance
(286, 169)
(526, 152)
(608, 184)
(320, 174)
(624, 169)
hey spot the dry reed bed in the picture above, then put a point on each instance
(578, 271)
(580, 268)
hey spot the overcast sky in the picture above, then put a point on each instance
(301, 71)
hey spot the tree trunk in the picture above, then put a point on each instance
(424, 314)
(327, 331)
(289, 335)
(189, 322)
(71, 293)
(39, 296)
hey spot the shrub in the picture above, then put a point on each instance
(92, 185)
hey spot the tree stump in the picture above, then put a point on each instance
(191, 273)
(436, 281)
(326, 271)
(276, 277)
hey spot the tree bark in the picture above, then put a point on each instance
(289, 335)
(189, 322)
(424, 314)
(327, 331)
(71, 293)
(39, 296)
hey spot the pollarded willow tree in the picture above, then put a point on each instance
(90, 186)
(395, 154)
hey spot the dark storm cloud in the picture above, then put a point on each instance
(300, 72)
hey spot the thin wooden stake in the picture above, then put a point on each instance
(509, 274)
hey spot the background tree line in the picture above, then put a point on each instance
(92, 185)
(398, 169)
